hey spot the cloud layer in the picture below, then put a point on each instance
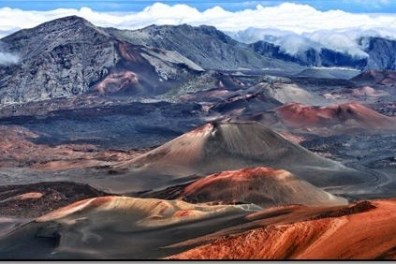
(8, 58)
(294, 26)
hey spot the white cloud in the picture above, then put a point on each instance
(294, 26)
(343, 41)
(8, 58)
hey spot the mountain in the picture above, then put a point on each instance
(311, 57)
(205, 45)
(263, 186)
(58, 58)
(350, 115)
(70, 56)
(245, 104)
(228, 145)
(380, 54)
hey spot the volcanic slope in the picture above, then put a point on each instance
(349, 115)
(220, 146)
(117, 227)
(361, 231)
(263, 186)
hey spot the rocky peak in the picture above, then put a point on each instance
(59, 58)
(28, 43)
(73, 22)
(69, 56)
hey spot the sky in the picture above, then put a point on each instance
(353, 6)
(293, 25)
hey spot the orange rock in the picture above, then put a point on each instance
(368, 234)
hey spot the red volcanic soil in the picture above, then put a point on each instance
(262, 186)
(363, 231)
(353, 114)
(115, 82)
(130, 53)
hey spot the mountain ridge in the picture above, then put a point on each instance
(70, 56)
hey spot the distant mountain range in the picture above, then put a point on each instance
(381, 55)
(71, 56)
